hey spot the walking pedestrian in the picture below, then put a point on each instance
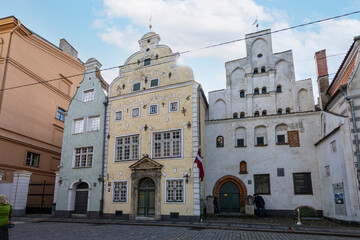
(5, 215)
(260, 205)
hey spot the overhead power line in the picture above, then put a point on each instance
(193, 50)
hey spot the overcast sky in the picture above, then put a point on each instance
(109, 30)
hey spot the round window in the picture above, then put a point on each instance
(148, 49)
(259, 55)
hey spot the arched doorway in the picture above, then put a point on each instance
(229, 197)
(146, 197)
(230, 192)
(81, 198)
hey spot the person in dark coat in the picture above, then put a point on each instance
(260, 205)
(216, 205)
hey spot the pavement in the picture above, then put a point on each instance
(318, 227)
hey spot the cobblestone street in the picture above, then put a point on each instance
(57, 231)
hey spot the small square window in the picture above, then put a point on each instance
(60, 114)
(242, 94)
(118, 116)
(280, 172)
(88, 95)
(278, 89)
(302, 183)
(280, 139)
(135, 112)
(154, 82)
(93, 124)
(240, 143)
(174, 106)
(78, 126)
(32, 159)
(260, 141)
(147, 61)
(153, 109)
(136, 87)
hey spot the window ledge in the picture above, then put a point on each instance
(243, 172)
(81, 167)
(282, 143)
(93, 131)
(265, 145)
(240, 146)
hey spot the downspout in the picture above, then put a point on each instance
(106, 102)
(5, 64)
(356, 137)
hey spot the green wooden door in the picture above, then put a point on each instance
(229, 198)
(146, 198)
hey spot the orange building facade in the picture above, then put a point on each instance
(32, 108)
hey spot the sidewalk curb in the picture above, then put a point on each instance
(338, 234)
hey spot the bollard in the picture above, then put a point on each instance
(298, 217)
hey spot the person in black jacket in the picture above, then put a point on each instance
(260, 205)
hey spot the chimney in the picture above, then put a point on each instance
(66, 47)
(322, 77)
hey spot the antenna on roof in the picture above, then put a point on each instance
(257, 24)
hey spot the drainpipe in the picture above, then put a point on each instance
(2, 81)
(103, 161)
(356, 137)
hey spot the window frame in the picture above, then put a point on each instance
(218, 145)
(181, 142)
(310, 192)
(31, 159)
(237, 142)
(86, 99)
(278, 89)
(130, 148)
(74, 126)
(242, 93)
(88, 123)
(60, 115)
(277, 139)
(132, 110)
(256, 91)
(157, 109)
(134, 85)
(264, 90)
(152, 80)
(183, 201)
(269, 182)
(147, 61)
(113, 191)
(122, 116)
(81, 154)
(177, 104)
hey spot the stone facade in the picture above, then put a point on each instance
(156, 117)
(80, 181)
(261, 133)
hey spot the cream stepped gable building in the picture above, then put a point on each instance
(261, 133)
(155, 127)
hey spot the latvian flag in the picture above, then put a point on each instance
(198, 161)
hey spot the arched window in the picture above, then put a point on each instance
(256, 114)
(240, 137)
(263, 90)
(263, 69)
(220, 141)
(243, 167)
(278, 89)
(242, 94)
(256, 71)
(260, 135)
(287, 110)
(263, 113)
(235, 115)
(281, 134)
(256, 91)
(279, 111)
(242, 115)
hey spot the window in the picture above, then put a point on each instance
(260, 134)
(60, 114)
(235, 115)
(240, 137)
(263, 113)
(120, 191)
(136, 86)
(263, 69)
(220, 141)
(281, 139)
(118, 116)
(127, 148)
(242, 94)
(243, 167)
(153, 109)
(256, 114)
(78, 126)
(154, 82)
(302, 183)
(242, 115)
(240, 143)
(147, 61)
(93, 124)
(260, 141)
(256, 91)
(175, 190)
(88, 95)
(256, 71)
(262, 183)
(263, 90)
(167, 144)
(174, 106)
(279, 111)
(83, 157)
(32, 159)
(278, 89)
(281, 172)
(287, 111)
(135, 112)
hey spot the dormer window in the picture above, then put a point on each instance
(256, 91)
(263, 70)
(256, 71)
(147, 61)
